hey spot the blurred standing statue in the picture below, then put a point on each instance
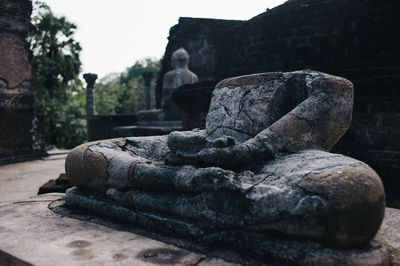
(173, 79)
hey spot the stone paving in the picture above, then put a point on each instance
(20, 181)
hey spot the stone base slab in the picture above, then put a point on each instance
(39, 231)
(267, 248)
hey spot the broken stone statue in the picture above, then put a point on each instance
(259, 178)
(173, 79)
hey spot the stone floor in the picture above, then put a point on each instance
(37, 230)
(22, 180)
(33, 233)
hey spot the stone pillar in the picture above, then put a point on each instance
(90, 80)
(147, 75)
(19, 137)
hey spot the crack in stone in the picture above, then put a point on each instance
(234, 118)
(242, 111)
(236, 130)
(200, 260)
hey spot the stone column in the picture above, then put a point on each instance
(90, 80)
(147, 75)
(19, 138)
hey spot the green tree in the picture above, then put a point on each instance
(124, 93)
(59, 95)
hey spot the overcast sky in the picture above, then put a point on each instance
(114, 34)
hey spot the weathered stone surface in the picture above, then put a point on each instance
(354, 190)
(74, 166)
(257, 169)
(33, 233)
(51, 232)
(15, 67)
(42, 232)
(59, 185)
(262, 246)
(20, 136)
(280, 196)
(15, 16)
(19, 181)
(389, 234)
(317, 107)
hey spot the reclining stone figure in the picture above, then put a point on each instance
(261, 165)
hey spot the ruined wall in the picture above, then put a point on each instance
(356, 39)
(19, 139)
(198, 37)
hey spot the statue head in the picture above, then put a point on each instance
(180, 58)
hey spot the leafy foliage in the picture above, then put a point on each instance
(124, 93)
(59, 95)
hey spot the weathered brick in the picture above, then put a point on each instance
(18, 134)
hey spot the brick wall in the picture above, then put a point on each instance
(19, 138)
(356, 39)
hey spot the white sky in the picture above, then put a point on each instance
(114, 34)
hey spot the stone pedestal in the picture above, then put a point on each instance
(102, 126)
(42, 231)
(149, 123)
(194, 101)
